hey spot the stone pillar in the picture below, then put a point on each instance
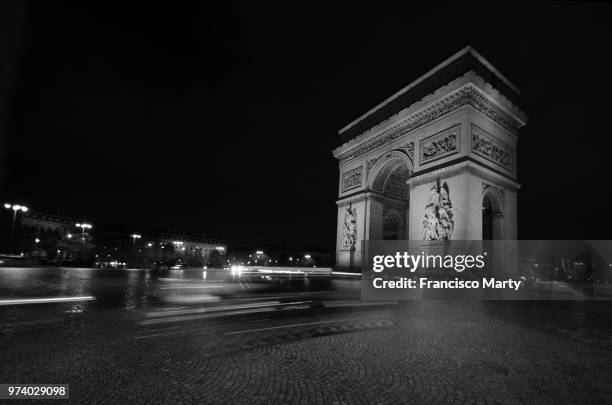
(374, 217)
(351, 227)
(510, 215)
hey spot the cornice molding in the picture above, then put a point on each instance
(467, 95)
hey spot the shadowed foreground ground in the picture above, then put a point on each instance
(417, 352)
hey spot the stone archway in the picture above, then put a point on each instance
(388, 184)
(492, 215)
(420, 165)
(393, 224)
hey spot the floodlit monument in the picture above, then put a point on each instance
(435, 161)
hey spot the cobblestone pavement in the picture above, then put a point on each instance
(416, 352)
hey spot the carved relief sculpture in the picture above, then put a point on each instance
(349, 236)
(371, 162)
(438, 222)
(487, 147)
(409, 148)
(439, 145)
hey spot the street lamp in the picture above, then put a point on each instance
(134, 237)
(84, 226)
(15, 208)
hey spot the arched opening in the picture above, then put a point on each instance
(492, 216)
(487, 219)
(389, 182)
(393, 225)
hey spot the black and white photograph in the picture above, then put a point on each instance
(305, 203)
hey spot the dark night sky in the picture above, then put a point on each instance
(222, 119)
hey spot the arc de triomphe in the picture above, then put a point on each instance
(437, 160)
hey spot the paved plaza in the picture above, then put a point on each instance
(422, 352)
(139, 344)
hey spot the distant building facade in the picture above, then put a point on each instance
(48, 235)
(193, 245)
(38, 223)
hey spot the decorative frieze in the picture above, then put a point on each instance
(467, 95)
(440, 145)
(486, 146)
(352, 179)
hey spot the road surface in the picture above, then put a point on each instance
(138, 337)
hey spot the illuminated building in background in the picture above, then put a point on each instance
(190, 246)
(40, 223)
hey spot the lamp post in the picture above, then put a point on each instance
(258, 255)
(15, 208)
(134, 237)
(84, 226)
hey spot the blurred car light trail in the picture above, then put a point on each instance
(23, 301)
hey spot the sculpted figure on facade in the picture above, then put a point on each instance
(349, 239)
(438, 223)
